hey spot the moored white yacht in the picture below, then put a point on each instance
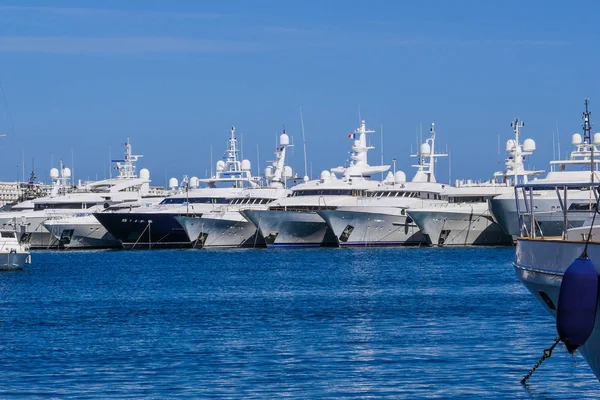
(379, 217)
(464, 218)
(13, 254)
(224, 226)
(541, 263)
(156, 226)
(82, 230)
(574, 170)
(293, 221)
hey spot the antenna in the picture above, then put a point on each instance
(359, 118)
(558, 138)
(211, 162)
(72, 168)
(304, 142)
(553, 148)
(381, 150)
(109, 164)
(242, 145)
(23, 164)
(257, 160)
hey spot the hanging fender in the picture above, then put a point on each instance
(577, 303)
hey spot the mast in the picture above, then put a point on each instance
(304, 143)
(516, 126)
(587, 135)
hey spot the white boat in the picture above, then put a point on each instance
(464, 219)
(379, 217)
(224, 226)
(541, 261)
(549, 216)
(68, 221)
(157, 226)
(13, 254)
(562, 271)
(293, 221)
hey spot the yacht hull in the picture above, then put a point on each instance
(366, 228)
(540, 265)
(145, 230)
(469, 226)
(81, 235)
(222, 231)
(291, 228)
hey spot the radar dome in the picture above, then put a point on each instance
(173, 183)
(220, 165)
(425, 149)
(67, 172)
(510, 145)
(284, 139)
(268, 172)
(305, 179)
(54, 173)
(194, 182)
(576, 139)
(529, 145)
(399, 177)
(144, 174)
(246, 165)
(597, 138)
(287, 172)
(325, 175)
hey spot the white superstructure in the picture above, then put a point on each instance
(293, 221)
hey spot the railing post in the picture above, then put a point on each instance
(565, 218)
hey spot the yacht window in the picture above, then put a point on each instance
(8, 235)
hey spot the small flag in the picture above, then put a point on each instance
(351, 136)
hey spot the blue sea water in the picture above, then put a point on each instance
(358, 323)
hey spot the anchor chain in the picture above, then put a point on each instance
(547, 354)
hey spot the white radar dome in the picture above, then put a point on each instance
(510, 145)
(597, 138)
(284, 139)
(173, 183)
(246, 166)
(220, 165)
(325, 175)
(399, 177)
(144, 174)
(54, 173)
(305, 179)
(268, 172)
(194, 182)
(576, 139)
(529, 145)
(425, 149)
(287, 172)
(67, 172)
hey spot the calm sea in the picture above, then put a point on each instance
(402, 323)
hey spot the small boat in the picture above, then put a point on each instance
(13, 254)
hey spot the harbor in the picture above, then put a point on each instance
(299, 200)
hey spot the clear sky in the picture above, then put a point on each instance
(79, 77)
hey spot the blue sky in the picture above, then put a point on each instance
(80, 77)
